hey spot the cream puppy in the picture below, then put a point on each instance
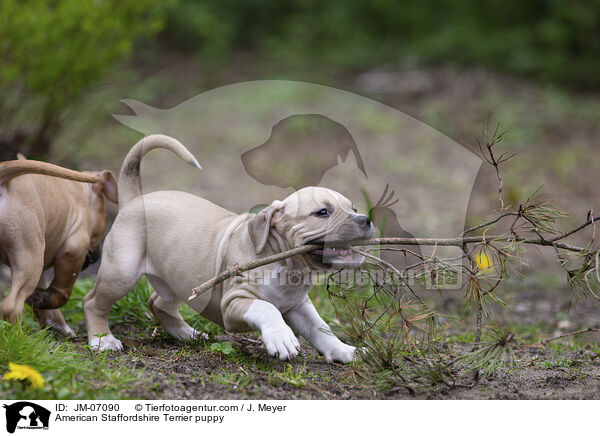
(179, 240)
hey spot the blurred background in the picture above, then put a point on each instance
(534, 66)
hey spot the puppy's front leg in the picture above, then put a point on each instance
(277, 336)
(306, 321)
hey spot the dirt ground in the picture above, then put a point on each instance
(171, 375)
(560, 370)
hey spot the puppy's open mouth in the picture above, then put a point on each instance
(336, 254)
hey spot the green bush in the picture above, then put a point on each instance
(549, 39)
(53, 50)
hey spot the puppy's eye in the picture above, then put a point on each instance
(322, 213)
(354, 209)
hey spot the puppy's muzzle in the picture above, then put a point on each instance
(336, 252)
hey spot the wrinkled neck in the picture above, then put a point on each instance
(278, 243)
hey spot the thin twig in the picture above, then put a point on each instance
(578, 332)
(490, 222)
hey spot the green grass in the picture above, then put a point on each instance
(560, 363)
(72, 371)
(295, 375)
(467, 337)
(234, 380)
(69, 372)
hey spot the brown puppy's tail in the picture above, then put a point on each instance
(13, 168)
(129, 179)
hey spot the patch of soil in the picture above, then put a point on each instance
(173, 370)
(539, 380)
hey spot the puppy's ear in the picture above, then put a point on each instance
(260, 225)
(21, 157)
(109, 186)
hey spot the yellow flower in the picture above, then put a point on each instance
(483, 261)
(25, 373)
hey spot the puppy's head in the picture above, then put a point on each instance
(96, 196)
(313, 215)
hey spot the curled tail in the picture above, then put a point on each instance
(14, 168)
(129, 179)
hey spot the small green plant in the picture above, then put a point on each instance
(497, 350)
(223, 348)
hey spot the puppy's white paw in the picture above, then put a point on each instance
(186, 333)
(108, 342)
(341, 352)
(281, 342)
(200, 335)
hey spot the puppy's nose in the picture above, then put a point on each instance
(362, 220)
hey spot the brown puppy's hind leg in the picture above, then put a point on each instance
(46, 302)
(52, 317)
(67, 266)
(25, 274)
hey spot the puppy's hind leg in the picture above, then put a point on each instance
(167, 312)
(46, 302)
(52, 317)
(109, 288)
(25, 273)
(120, 269)
(67, 264)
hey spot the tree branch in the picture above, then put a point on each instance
(238, 270)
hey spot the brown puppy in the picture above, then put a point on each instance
(49, 219)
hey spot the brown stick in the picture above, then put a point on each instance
(237, 270)
(458, 242)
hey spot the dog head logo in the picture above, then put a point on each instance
(299, 151)
(26, 415)
(261, 141)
